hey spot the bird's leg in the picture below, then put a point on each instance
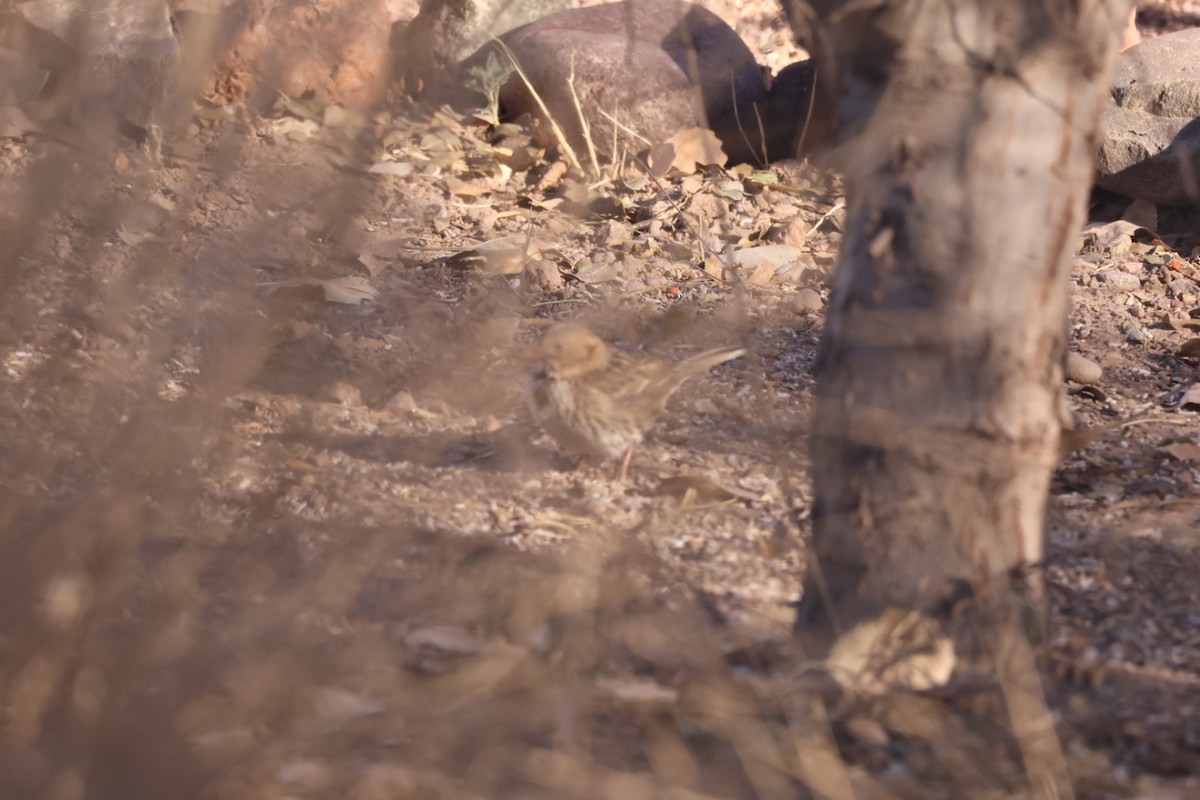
(625, 464)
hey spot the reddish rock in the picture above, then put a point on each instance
(335, 48)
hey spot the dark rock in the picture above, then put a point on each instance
(428, 48)
(789, 114)
(657, 66)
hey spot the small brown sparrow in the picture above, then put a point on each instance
(601, 403)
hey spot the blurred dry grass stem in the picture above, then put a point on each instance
(559, 134)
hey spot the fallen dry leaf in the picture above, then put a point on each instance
(867, 731)
(695, 489)
(1182, 325)
(1142, 213)
(758, 265)
(1190, 398)
(374, 264)
(306, 108)
(504, 256)
(14, 124)
(1189, 349)
(351, 289)
(729, 190)
(1182, 451)
(134, 238)
(337, 705)
(592, 272)
(660, 159)
(447, 638)
(398, 168)
(297, 130)
(461, 188)
(636, 692)
(695, 147)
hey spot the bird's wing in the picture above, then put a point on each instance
(702, 362)
(628, 378)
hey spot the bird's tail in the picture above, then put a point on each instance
(702, 362)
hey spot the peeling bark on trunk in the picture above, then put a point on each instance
(966, 135)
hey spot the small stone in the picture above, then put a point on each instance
(345, 394)
(1180, 287)
(708, 206)
(597, 269)
(1119, 280)
(792, 232)
(1134, 333)
(867, 731)
(305, 774)
(543, 274)
(337, 705)
(807, 301)
(402, 403)
(65, 600)
(1082, 370)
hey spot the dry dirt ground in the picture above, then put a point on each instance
(259, 542)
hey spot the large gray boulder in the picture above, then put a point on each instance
(1150, 134)
(114, 58)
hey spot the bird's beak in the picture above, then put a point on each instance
(532, 353)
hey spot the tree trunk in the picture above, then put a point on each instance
(966, 134)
